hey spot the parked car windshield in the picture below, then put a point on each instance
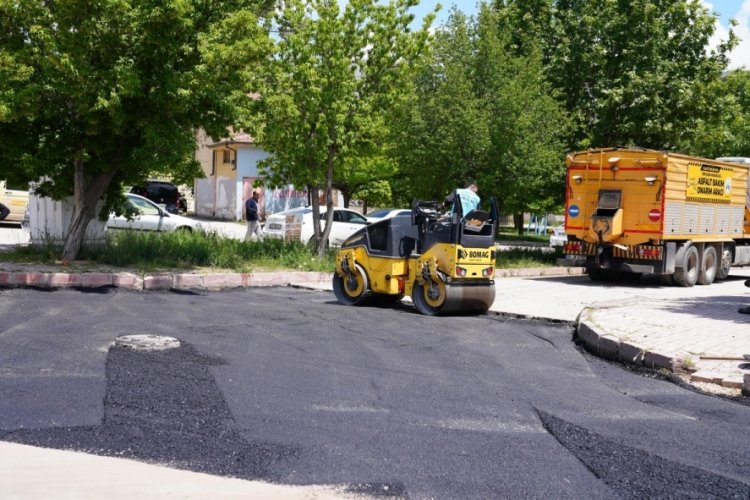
(143, 206)
(380, 213)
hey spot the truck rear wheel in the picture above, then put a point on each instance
(709, 265)
(687, 274)
(725, 264)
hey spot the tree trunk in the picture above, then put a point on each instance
(329, 202)
(85, 198)
(315, 199)
(518, 223)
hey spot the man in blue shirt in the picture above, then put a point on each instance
(469, 198)
(251, 214)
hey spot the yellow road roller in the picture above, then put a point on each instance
(441, 258)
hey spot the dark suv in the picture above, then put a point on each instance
(163, 193)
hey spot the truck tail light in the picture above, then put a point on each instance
(460, 272)
(573, 247)
(650, 252)
(488, 271)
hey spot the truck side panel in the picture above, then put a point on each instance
(698, 206)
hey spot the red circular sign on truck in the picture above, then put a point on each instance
(654, 214)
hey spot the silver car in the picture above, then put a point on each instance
(558, 236)
(386, 213)
(151, 217)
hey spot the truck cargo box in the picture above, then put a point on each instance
(625, 206)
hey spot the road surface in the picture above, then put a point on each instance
(288, 386)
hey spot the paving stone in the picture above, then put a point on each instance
(266, 279)
(658, 361)
(64, 280)
(96, 279)
(219, 281)
(127, 280)
(608, 346)
(30, 279)
(629, 353)
(157, 282)
(587, 335)
(188, 281)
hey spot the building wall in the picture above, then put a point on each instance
(247, 167)
(228, 184)
(50, 220)
(203, 153)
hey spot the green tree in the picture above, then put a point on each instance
(634, 72)
(726, 130)
(97, 94)
(442, 132)
(325, 92)
(367, 178)
(484, 111)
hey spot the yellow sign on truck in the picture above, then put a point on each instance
(639, 211)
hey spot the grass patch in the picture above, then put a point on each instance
(187, 250)
(517, 258)
(506, 234)
(182, 250)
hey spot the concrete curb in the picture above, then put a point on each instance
(158, 281)
(599, 343)
(539, 271)
(610, 347)
(208, 281)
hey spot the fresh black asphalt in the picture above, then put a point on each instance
(289, 386)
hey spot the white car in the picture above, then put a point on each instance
(151, 217)
(296, 224)
(386, 213)
(558, 236)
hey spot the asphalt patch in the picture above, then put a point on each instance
(165, 407)
(636, 474)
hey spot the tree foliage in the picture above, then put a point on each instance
(483, 112)
(636, 72)
(726, 130)
(324, 95)
(97, 94)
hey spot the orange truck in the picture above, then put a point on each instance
(641, 211)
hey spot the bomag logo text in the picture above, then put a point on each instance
(476, 254)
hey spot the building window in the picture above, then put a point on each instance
(227, 156)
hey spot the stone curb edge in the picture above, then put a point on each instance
(612, 348)
(209, 281)
(158, 281)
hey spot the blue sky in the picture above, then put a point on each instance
(727, 9)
